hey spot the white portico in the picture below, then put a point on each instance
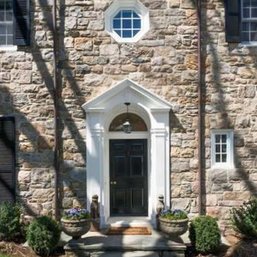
(100, 112)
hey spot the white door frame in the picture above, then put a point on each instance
(100, 113)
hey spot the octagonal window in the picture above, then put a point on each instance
(127, 21)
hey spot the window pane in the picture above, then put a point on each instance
(2, 5)
(246, 3)
(217, 138)
(246, 13)
(126, 14)
(135, 15)
(245, 26)
(254, 36)
(137, 24)
(224, 148)
(254, 13)
(224, 158)
(116, 24)
(9, 28)
(118, 32)
(2, 40)
(2, 29)
(118, 15)
(217, 148)
(10, 40)
(1, 16)
(217, 157)
(126, 24)
(126, 33)
(8, 16)
(245, 36)
(8, 5)
(224, 138)
(254, 26)
(135, 32)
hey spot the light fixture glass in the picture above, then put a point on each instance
(126, 126)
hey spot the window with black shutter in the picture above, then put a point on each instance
(7, 159)
(14, 22)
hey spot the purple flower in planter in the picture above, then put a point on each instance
(175, 214)
(76, 214)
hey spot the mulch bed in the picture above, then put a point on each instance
(239, 248)
(18, 250)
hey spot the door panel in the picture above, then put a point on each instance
(128, 177)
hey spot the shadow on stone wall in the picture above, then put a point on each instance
(223, 118)
(36, 151)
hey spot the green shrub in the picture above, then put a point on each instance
(43, 235)
(244, 219)
(204, 234)
(9, 220)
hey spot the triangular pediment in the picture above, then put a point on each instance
(126, 91)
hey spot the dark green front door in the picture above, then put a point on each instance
(128, 177)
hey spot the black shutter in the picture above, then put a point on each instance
(7, 159)
(21, 22)
(232, 20)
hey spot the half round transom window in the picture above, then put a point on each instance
(136, 121)
(127, 21)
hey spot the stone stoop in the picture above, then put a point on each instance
(95, 244)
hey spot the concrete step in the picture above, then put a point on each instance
(95, 244)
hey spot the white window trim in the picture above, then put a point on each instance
(230, 149)
(249, 19)
(7, 48)
(134, 5)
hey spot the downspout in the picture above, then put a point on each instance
(56, 114)
(200, 110)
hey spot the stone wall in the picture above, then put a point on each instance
(231, 102)
(165, 62)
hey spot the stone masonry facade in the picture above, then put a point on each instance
(163, 61)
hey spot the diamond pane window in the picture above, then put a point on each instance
(249, 21)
